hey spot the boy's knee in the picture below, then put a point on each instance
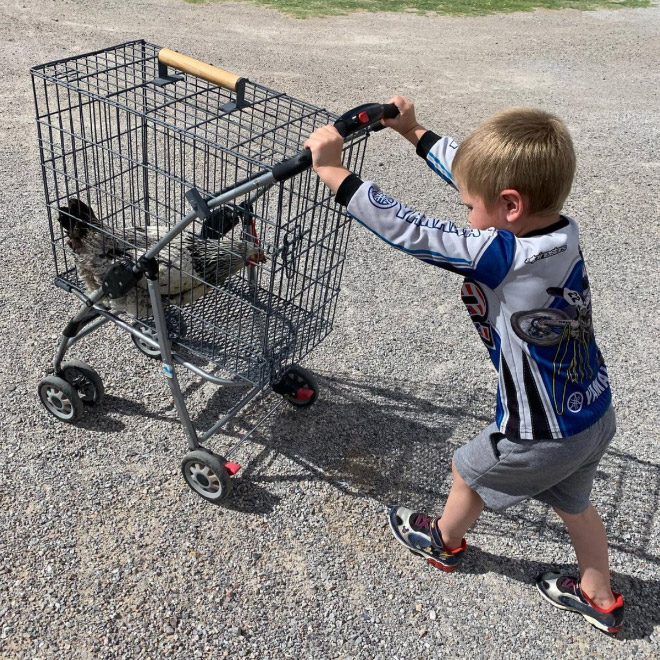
(457, 477)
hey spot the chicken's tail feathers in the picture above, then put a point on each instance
(223, 219)
(76, 218)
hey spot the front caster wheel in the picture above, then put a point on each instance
(298, 386)
(85, 380)
(60, 399)
(143, 347)
(206, 474)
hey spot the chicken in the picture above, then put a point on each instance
(186, 268)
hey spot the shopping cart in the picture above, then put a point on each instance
(181, 210)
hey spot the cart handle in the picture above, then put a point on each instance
(364, 116)
(197, 68)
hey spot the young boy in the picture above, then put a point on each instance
(526, 289)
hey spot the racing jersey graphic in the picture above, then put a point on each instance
(475, 301)
(571, 331)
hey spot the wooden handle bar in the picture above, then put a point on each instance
(200, 69)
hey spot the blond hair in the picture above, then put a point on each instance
(523, 149)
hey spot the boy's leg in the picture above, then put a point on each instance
(439, 540)
(589, 539)
(462, 508)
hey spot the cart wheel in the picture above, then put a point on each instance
(143, 347)
(302, 389)
(87, 382)
(60, 399)
(206, 474)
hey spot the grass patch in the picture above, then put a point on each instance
(310, 8)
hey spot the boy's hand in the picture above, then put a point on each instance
(326, 145)
(405, 122)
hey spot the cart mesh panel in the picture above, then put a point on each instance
(130, 149)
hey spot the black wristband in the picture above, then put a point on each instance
(425, 143)
(348, 188)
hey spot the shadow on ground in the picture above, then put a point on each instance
(382, 442)
(395, 446)
(642, 614)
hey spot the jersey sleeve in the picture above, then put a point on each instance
(438, 152)
(486, 256)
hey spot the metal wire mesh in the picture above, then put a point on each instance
(130, 149)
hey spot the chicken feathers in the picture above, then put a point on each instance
(187, 266)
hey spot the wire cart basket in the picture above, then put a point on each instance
(182, 210)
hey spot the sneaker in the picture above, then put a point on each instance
(421, 535)
(564, 592)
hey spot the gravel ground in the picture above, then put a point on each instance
(104, 551)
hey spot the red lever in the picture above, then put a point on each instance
(232, 468)
(304, 394)
(363, 117)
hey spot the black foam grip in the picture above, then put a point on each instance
(295, 165)
(390, 111)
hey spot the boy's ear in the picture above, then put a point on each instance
(513, 203)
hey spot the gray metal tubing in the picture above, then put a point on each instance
(229, 453)
(216, 427)
(206, 375)
(109, 316)
(88, 301)
(260, 182)
(81, 296)
(85, 310)
(168, 367)
(136, 333)
(87, 329)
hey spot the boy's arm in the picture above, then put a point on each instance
(485, 256)
(438, 152)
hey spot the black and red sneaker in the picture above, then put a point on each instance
(421, 535)
(564, 592)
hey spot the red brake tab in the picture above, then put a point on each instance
(304, 394)
(363, 117)
(232, 468)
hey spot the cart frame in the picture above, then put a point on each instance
(88, 116)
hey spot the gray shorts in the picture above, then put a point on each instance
(558, 472)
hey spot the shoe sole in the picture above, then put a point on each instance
(594, 622)
(434, 562)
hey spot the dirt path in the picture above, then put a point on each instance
(103, 551)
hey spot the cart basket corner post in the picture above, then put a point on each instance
(182, 210)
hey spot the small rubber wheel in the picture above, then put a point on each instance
(143, 347)
(304, 384)
(60, 399)
(87, 382)
(206, 474)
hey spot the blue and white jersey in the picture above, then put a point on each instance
(528, 298)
